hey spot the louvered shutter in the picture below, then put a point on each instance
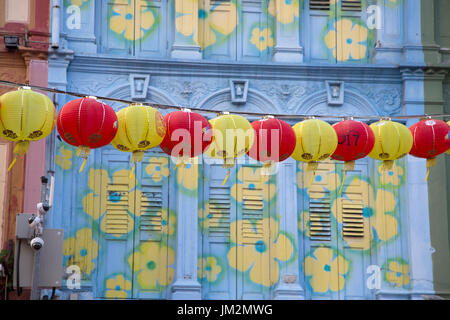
(152, 222)
(219, 211)
(116, 226)
(351, 5)
(218, 33)
(319, 5)
(319, 225)
(254, 210)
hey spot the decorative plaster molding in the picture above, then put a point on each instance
(139, 85)
(239, 91)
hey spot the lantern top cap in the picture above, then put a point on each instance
(186, 110)
(137, 104)
(91, 97)
(224, 113)
(268, 117)
(25, 88)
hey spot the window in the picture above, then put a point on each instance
(337, 31)
(134, 27)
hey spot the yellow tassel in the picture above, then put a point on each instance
(226, 178)
(20, 148)
(312, 166)
(12, 163)
(137, 156)
(266, 170)
(343, 180)
(311, 180)
(348, 165)
(387, 165)
(83, 151)
(132, 170)
(430, 163)
(227, 163)
(82, 165)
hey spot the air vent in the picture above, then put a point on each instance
(219, 208)
(320, 219)
(151, 209)
(352, 219)
(351, 5)
(319, 5)
(117, 210)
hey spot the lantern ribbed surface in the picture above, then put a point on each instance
(393, 140)
(316, 140)
(265, 148)
(355, 140)
(87, 122)
(140, 128)
(26, 115)
(233, 136)
(188, 134)
(429, 138)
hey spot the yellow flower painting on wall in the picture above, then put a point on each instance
(326, 270)
(117, 287)
(81, 249)
(347, 40)
(262, 38)
(209, 269)
(131, 19)
(265, 245)
(206, 24)
(397, 273)
(152, 267)
(284, 10)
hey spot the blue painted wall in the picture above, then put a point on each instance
(170, 234)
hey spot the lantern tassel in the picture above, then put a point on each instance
(348, 165)
(430, 163)
(228, 163)
(266, 170)
(20, 148)
(83, 151)
(312, 166)
(137, 156)
(12, 163)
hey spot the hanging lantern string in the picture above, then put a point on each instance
(214, 112)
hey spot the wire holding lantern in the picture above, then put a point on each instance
(88, 124)
(25, 116)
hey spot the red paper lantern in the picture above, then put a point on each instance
(188, 134)
(87, 124)
(355, 141)
(266, 150)
(429, 138)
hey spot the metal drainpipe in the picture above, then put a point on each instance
(56, 15)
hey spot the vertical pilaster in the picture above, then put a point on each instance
(287, 35)
(418, 219)
(186, 40)
(288, 287)
(79, 24)
(388, 20)
(413, 53)
(186, 286)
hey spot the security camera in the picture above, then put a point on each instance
(37, 243)
(43, 208)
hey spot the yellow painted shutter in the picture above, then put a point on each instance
(118, 204)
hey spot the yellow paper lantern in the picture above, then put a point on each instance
(140, 128)
(316, 141)
(393, 141)
(25, 116)
(232, 137)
